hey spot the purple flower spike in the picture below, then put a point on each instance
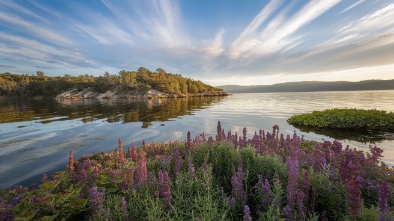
(287, 212)
(383, 196)
(267, 192)
(124, 209)
(237, 183)
(247, 214)
(231, 201)
(292, 185)
(165, 190)
(96, 200)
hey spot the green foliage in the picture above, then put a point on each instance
(51, 203)
(346, 119)
(369, 214)
(331, 193)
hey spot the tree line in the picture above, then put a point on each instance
(125, 81)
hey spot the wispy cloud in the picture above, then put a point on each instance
(38, 31)
(371, 31)
(159, 21)
(352, 6)
(278, 34)
(7, 66)
(12, 5)
(26, 50)
(373, 22)
(247, 40)
(105, 32)
(214, 47)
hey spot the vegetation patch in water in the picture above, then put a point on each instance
(268, 176)
(349, 119)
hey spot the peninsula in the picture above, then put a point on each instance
(142, 83)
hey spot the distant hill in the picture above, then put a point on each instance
(309, 86)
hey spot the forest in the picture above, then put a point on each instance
(136, 82)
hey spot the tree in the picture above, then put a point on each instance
(40, 74)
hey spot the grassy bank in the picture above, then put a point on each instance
(266, 176)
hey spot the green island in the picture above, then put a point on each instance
(142, 83)
(346, 119)
(365, 126)
(268, 176)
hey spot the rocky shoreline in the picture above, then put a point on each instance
(150, 94)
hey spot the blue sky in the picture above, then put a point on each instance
(217, 41)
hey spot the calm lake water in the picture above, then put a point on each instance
(37, 135)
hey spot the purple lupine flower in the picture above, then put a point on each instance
(178, 164)
(231, 201)
(385, 216)
(337, 147)
(96, 201)
(247, 213)
(36, 200)
(83, 176)
(383, 196)
(237, 183)
(165, 161)
(260, 181)
(165, 190)
(223, 135)
(313, 198)
(219, 132)
(300, 205)
(267, 193)
(16, 200)
(287, 213)
(244, 132)
(353, 188)
(296, 140)
(121, 154)
(236, 143)
(282, 141)
(292, 185)
(376, 153)
(188, 143)
(114, 174)
(125, 214)
(306, 185)
(6, 212)
(134, 155)
(142, 170)
(191, 169)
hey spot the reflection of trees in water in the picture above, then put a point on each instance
(89, 110)
(359, 136)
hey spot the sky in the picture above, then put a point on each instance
(220, 42)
